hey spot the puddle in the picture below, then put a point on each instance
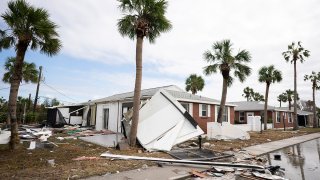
(301, 161)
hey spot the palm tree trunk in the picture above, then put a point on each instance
(295, 119)
(137, 92)
(223, 99)
(14, 88)
(289, 105)
(280, 103)
(315, 123)
(266, 107)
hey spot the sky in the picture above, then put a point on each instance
(96, 61)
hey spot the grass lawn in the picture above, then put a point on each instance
(32, 164)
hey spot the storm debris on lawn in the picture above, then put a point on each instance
(83, 158)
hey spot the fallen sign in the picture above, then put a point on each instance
(187, 162)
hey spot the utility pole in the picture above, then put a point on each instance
(37, 92)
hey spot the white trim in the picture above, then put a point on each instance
(216, 113)
(200, 110)
(208, 110)
(191, 109)
(203, 102)
(228, 118)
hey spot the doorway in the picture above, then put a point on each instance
(106, 118)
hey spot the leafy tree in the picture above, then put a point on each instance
(194, 83)
(295, 53)
(247, 93)
(315, 80)
(54, 102)
(142, 19)
(257, 96)
(268, 75)
(221, 59)
(29, 71)
(27, 27)
(282, 98)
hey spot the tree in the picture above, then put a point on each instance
(194, 83)
(247, 93)
(282, 98)
(295, 53)
(142, 19)
(29, 71)
(54, 102)
(27, 27)
(257, 96)
(222, 59)
(289, 94)
(268, 75)
(315, 80)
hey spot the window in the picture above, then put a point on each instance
(224, 113)
(289, 117)
(241, 116)
(278, 116)
(204, 110)
(186, 106)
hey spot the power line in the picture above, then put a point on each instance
(9, 86)
(59, 92)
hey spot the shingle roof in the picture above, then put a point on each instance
(299, 112)
(180, 95)
(129, 95)
(250, 106)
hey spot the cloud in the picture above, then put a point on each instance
(89, 33)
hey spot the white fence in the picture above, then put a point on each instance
(253, 124)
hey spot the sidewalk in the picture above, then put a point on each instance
(275, 145)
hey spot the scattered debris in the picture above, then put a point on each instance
(83, 158)
(51, 162)
(197, 154)
(225, 131)
(4, 136)
(32, 145)
(186, 162)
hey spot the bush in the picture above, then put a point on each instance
(3, 117)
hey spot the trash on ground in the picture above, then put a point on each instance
(83, 158)
(197, 154)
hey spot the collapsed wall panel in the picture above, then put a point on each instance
(163, 123)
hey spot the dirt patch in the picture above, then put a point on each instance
(32, 164)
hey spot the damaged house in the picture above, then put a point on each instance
(107, 113)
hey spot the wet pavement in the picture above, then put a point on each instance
(301, 161)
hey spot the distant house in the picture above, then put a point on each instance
(107, 113)
(276, 116)
(305, 118)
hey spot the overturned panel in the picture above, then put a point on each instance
(163, 123)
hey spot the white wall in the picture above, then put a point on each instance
(114, 116)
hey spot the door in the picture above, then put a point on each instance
(249, 114)
(106, 118)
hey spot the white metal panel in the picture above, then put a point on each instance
(75, 119)
(65, 113)
(162, 123)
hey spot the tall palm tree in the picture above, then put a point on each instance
(194, 83)
(247, 93)
(315, 80)
(290, 94)
(222, 59)
(27, 27)
(142, 19)
(282, 98)
(295, 53)
(29, 71)
(268, 75)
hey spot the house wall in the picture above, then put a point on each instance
(114, 116)
(256, 113)
(283, 119)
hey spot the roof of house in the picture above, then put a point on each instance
(250, 106)
(173, 90)
(299, 112)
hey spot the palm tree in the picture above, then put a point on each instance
(315, 80)
(142, 19)
(222, 59)
(194, 83)
(289, 94)
(268, 75)
(28, 27)
(29, 71)
(282, 98)
(247, 93)
(257, 96)
(294, 54)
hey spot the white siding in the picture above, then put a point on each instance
(114, 116)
